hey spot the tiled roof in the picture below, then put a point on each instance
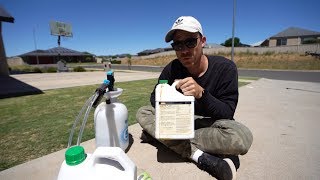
(55, 52)
(295, 32)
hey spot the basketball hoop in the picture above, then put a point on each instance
(60, 29)
(63, 33)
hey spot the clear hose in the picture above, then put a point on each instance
(89, 101)
(95, 96)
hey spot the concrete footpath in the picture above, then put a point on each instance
(284, 119)
(21, 84)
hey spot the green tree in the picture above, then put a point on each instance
(228, 42)
(85, 52)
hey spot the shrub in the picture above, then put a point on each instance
(79, 69)
(115, 62)
(36, 70)
(26, 69)
(89, 59)
(52, 69)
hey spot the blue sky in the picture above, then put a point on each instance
(105, 27)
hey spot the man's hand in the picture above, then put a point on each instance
(190, 87)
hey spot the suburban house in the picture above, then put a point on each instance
(292, 36)
(53, 55)
(213, 45)
(153, 51)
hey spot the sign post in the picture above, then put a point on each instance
(60, 29)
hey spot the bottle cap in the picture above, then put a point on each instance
(106, 81)
(75, 155)
(163, 81)
(110, 72)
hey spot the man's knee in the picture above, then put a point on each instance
(145, 113)
(146, 118)
(245, 139)
(241, 136)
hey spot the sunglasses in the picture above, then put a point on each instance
(190, 43)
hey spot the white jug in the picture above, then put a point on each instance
(174, 113)
(104, 163)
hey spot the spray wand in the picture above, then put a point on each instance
(93, 101)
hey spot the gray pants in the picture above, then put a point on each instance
(223, 137)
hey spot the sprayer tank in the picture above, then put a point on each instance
(111, 123)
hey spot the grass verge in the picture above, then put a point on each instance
(36, 125)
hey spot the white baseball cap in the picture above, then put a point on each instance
(185, 23)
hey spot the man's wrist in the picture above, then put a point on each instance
(201, 94)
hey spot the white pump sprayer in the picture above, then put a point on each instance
(111, 122)
(108, 161)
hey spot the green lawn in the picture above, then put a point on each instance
(36, 125)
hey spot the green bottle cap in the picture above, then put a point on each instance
(163, 81)
(75, 155)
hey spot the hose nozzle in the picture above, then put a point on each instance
(110, 77)
(100, 92)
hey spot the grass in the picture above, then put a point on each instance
(36, 125)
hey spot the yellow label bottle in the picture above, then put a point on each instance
(174, 113)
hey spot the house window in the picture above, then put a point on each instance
(284, 42)
(308, 40)
(281, 42)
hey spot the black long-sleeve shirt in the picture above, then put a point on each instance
(220, 82)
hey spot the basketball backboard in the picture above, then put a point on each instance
(60, 29)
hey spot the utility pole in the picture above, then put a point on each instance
(233, 27)
(35, 43)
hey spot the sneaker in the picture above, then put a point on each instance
(222, 169)
(234, 159)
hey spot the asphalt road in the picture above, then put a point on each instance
(306, 76)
